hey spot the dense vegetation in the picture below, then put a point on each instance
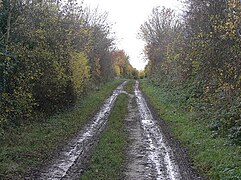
(51, 53)
(198, 58)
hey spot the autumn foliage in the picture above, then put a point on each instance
(198, 56)
(51, 54)
(122, 66)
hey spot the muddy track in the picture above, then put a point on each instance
(73, 158)
(149, 155)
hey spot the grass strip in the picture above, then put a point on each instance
(25, 148)
(129, 87)
(108, 157)
(214, 157)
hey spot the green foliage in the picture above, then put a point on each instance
(24, 148)
(215, 157)
(17, 101)
(80, 72)
(141, 74)
(199, 55)
(129, 87)
(47, 50)
(49, 87)
(108, 157)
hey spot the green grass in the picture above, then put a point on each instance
(213, 157)
(129, 87)
(108, 157)
(25, 148)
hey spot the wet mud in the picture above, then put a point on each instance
(73, 159)
(149, 154)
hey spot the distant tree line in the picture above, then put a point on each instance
(199, 53)
(51, 53)
(122, 66)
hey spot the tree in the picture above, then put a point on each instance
(122, 66)
(50, 52)
(199, 54)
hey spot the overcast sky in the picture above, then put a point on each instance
(127, 17)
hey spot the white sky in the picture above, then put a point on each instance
(127, 16)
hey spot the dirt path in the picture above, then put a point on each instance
(149, 155)
(72, 160)
(137, 166)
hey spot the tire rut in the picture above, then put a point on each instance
(149, 155)
(73, 158)
(137, 166)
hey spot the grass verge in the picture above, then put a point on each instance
(108, 157)
(25, 148)
(214, 157)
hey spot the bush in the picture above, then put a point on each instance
(80, 72)
(17, 102)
